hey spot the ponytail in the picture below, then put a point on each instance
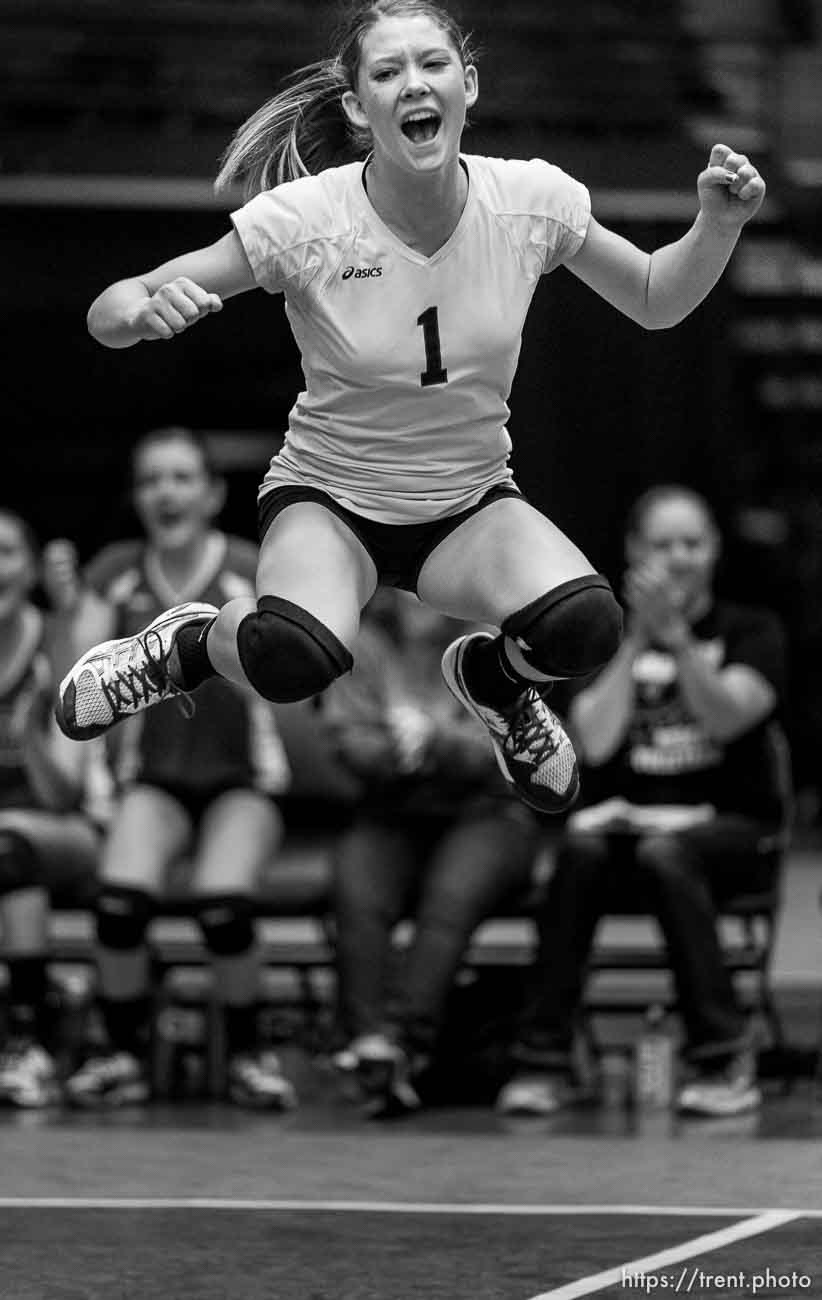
(299, 132)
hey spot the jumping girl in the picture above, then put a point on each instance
(407, 276)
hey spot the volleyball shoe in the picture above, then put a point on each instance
(384, 1072)
(532, 749)
(109, 1080)
(28, 1076)
(256, 1080)
(118, 678)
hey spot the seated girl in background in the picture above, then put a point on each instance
(199, 787)
(438, 839)
(49, 842)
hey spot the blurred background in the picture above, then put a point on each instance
(114, 116)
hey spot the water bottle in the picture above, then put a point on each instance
(654, 1061)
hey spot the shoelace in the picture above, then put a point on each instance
(532, 731)
(493, 718)
(128, 678)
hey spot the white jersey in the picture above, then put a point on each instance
(408, 360)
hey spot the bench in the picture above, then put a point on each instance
(628, 968)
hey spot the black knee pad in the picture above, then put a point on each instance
(123, 916)
(19, 868)
(571, 630)
(287, 654)
(227, 923)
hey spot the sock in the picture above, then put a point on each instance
(489, 675)
(240, 1028)
(192, 655)
(127, 1021)
(27, 997)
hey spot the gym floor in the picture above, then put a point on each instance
(205, 1201)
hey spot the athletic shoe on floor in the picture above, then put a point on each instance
(117, 678)
(256, 1079)
(28, 1076)
(384, 1075)
(109, 1081)
(532, 750)
(733, 1090)
(344, 1060)
(534, 1094)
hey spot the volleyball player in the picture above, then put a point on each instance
(407, 276)
(49, 840)
(201, 790)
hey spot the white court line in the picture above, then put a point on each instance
(392, 1207)
(650, 1263)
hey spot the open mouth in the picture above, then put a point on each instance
(422, 127)
(168, 518)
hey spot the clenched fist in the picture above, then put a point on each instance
(173, 308)
(730, 188)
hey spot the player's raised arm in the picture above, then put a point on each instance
(660, 289)
(173, 297)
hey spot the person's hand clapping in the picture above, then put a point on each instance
(172, 309)
(411, 730)
(655, 606)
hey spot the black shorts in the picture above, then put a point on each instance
(195, 800)
(398, 550)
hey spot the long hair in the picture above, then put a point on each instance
(304, 128)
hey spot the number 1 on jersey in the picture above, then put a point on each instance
(434, 372)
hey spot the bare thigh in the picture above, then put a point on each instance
(498, 560)
(149, 831)
(310, 557)
(240, 833)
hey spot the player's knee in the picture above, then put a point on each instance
(123, 916)
(571, 630)
(227, 924)
(287, 654)
(18, 864)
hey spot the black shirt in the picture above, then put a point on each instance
(668, 757)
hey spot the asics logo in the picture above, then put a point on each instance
(361, 272)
